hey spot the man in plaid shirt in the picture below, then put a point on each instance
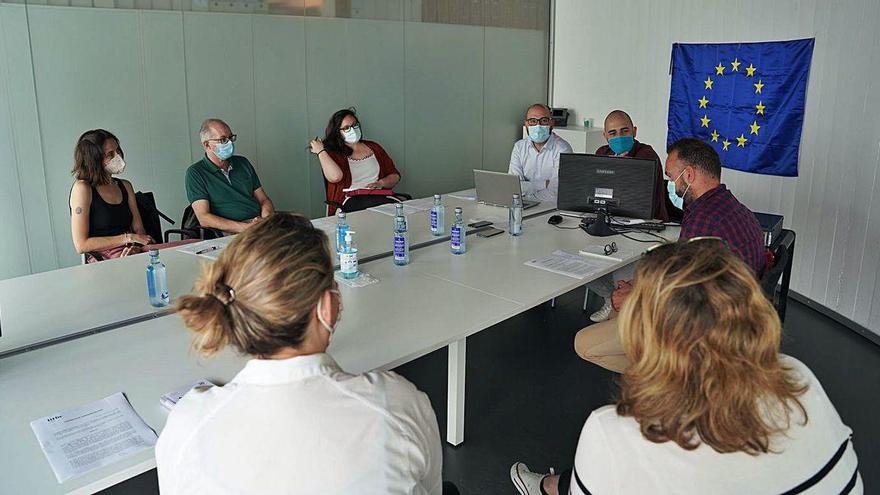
(693, 169)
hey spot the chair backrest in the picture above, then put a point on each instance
(149, 215)
(190, 223)
(189, 219)
(771, 277)
(358, 203)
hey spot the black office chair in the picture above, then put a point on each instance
(190, 228)
(151, 217)
(775, 281)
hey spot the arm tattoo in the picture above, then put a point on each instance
(79, 210)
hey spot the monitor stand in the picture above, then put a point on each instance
(599, 227)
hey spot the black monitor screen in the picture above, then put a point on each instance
(624, 186)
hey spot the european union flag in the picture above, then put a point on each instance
(745, 99)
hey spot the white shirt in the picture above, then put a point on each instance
(535, 168)
(302, 426)
(363, 172)
(614, 458)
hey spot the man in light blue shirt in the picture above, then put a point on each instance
(536, 159)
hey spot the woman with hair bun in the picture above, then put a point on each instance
(291, 421)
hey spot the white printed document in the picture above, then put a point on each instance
(79, 440)
(209, 249)
(570, 265)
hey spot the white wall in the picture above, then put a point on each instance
(616, 55)
(151, 77)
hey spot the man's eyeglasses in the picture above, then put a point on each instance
(610, 248)
(224, 139)
(541, 121)
(350, 127)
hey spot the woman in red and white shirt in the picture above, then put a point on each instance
(349, 162)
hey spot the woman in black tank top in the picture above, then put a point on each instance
(104, 217)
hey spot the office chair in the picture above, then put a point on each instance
(358, 203)
(190, 228)
(775, 281)
(151, 217)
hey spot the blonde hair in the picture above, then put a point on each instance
(260, 294)
(704, 345)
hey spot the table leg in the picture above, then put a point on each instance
(455, 393)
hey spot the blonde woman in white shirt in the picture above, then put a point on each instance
(291, 422)
(708, 404)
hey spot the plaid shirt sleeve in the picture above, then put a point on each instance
(723, 216)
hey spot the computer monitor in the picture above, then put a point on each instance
(607, 185)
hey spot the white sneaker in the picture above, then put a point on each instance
(525, 481)
(604, 312)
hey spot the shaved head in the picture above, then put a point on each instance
(618, 115)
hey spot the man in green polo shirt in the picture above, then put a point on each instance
(223, 189)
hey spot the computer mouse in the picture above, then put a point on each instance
(555, 219)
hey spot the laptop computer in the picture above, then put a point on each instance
(498, 188)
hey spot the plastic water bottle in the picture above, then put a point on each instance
(401, 242)
(438, 216)
(157, 281)
(515, 214)
(341, 229)
(348, 258)
(458, 243)
(398, 212)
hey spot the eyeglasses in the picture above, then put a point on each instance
(541, 121)
(610, 248)
(350, 127)
(224, 139)
(666, 245)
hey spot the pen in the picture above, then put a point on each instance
(208, 250)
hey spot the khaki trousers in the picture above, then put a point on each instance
(600, 344)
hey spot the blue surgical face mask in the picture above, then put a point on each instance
(539, 133)
(352, 135)
(621, 144)
(224, 150)
(677, 200)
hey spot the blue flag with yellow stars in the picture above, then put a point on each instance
(745, 99)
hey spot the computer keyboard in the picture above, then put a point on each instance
(649, 226)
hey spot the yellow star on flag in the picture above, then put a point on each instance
(719, 71)
(715, 135)
(760, 108)
(708, 82)
(705, 121)
(750, 70)
(754, 128)
(741, 141)
(735, 64)
(726, 143)
(758, 86)
(703, 101)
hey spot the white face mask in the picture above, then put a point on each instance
(352, 135)
(115, 166)
(330, 329)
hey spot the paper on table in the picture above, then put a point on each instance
(570, 265)
(467, 194)
(79, 440)
(210, 249)
(599, 251)
(362, 280)
(390, 209)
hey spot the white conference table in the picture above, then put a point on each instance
(88, 299)
(405, 316)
